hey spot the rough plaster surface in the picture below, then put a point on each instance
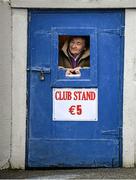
(19, 47)
(18, 76)
(5, 83)
(19, 89)
(129, 111)
(74, 3)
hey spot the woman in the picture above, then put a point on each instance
(75, 54)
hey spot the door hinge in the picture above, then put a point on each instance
(110, 132)
(122, 31)
(113, 132)
(119, 32)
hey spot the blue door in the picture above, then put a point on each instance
(75, 117)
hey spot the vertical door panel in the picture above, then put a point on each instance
(75, 143)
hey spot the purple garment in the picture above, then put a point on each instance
(74, 60)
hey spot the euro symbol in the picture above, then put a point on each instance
(72, 110)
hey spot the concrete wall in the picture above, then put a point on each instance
(5, 83)
(19, 61)
(13, 82)
(129, 111)
(129, 108)
(129, 90)
(74, 3)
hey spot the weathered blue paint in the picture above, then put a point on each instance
(75, 144)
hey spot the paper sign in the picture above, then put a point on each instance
(72, 104)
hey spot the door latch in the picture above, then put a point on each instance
(41, 70)
(42, 75)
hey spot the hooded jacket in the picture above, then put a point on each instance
(65, 61)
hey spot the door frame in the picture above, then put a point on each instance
(19, 90)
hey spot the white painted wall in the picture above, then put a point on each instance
(19, 61)
(129, 110)
(13, 86)
(129, 88)
(74, 3)
(5, 83)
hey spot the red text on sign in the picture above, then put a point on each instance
(87, 95)
(63, 95)
(75, 110)
(76, 95)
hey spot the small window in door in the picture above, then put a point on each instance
(74, 54)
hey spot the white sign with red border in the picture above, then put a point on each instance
(75, 104)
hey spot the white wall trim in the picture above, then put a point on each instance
(73, 3)
(19, 60)
(5, 84)
(129, 94)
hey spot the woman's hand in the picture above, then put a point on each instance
(73, 71)
(69, 71)
(77, 70)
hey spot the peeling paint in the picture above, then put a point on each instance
(4, 1)
(5, 164)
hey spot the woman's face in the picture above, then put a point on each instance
(76, 45)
